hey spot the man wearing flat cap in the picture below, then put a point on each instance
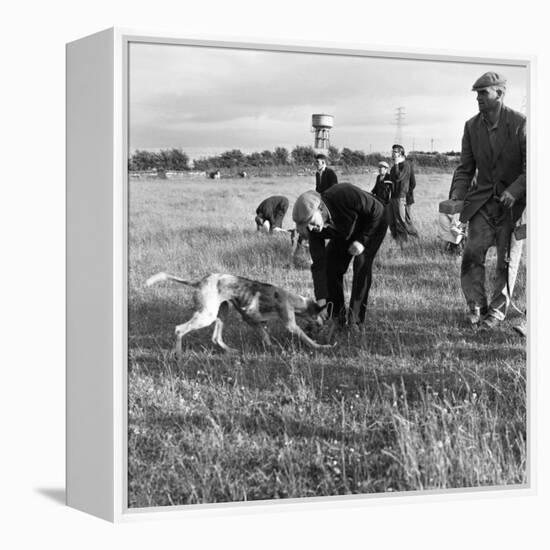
(325, 177)
(354, 222)
(494, 144)
(383, 186)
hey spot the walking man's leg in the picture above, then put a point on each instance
(481, 236)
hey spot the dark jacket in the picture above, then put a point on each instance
(498, 170)
(328, 179)
(412, 186)
(383, 187)
(404, 181)
(355, 214)
(273, 209)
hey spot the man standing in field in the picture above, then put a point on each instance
(325, 177)
(401, 199)
(354, 222)
(494, 143)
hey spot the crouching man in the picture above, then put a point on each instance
(271, 212)
(354, 222)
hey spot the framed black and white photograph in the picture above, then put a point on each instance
(310, 274)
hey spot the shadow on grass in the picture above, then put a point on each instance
(277, 410)
(410, 337)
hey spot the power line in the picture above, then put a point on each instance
(399, 123)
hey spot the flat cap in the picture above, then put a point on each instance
(321, 156)
(305, 206)
(489, 79)
(384, 164)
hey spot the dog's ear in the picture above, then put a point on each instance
(315, 308)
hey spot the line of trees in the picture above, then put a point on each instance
(170, 159)
(177, 160)
(438, 160)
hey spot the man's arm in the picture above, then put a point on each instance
(466, 169)
(412, 178)
(370, 214)
(518, 188)
(401, 178)
(412, 185)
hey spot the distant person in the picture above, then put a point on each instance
(410, 194)
(401, 175)
(494, 143)
(354, 222)
(520, 233)
(325, 177)
(271, 212)
(383, 186)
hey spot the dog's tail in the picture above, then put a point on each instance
(162, 276)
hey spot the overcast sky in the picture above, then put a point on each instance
(212, 99)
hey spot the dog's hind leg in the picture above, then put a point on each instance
(218, 328)
(254, 320)
(200, 319)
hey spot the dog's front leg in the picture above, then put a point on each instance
(289, 318)
(295, 329)
(179, 338)
(261, 330)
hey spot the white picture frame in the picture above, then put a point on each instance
(97, 264)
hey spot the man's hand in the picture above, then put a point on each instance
(356, 248)
(507, 199)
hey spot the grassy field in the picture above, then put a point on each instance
(415, 401)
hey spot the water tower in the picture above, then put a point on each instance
(320, 126)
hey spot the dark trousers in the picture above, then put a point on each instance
(491, 225)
